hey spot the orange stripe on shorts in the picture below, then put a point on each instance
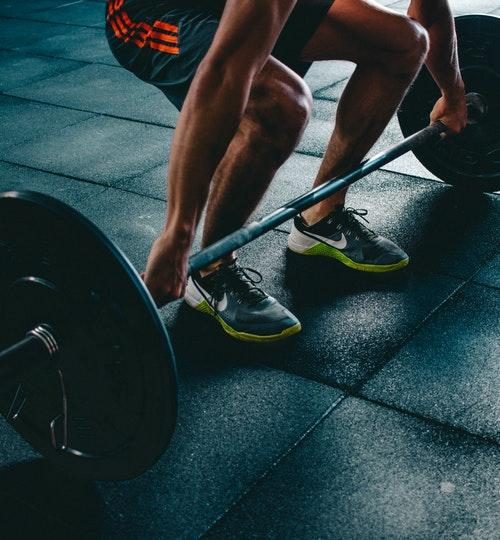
(166, 26)
(141, 33)
(164, 48)
(164, 37)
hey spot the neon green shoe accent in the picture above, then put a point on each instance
(206, 308)
(328, 251)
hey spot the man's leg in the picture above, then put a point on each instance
(277, 113)
(388, 49)
(273, 122)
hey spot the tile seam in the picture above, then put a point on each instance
(77, 109)
(275, 463)
(54, 23)
(350, 391)
(35, 138)
(32, 53)
(80, 179)
(393, 352)
(435, 423)
(486, 439)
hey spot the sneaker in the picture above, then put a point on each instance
(244, 311)
(343, 237)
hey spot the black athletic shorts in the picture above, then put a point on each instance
(163, 41)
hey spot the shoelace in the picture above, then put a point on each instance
(240, 281)
(349, 216)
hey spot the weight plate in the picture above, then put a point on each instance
(107, 408)
(471, 159)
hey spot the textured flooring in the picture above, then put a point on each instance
(380, 420)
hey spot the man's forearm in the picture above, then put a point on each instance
(442, 60)
(199, 144)
(216, 103)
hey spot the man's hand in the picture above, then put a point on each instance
(442, 61)
(452, 112)
(166, 271)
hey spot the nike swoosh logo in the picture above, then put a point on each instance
(219, 306)
(339, 244)
(222, 304)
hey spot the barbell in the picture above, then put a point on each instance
(87, 371)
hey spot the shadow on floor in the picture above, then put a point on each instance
(454, 231)
(39, 502)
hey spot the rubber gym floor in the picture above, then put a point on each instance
(380, 420)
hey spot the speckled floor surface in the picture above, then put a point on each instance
(380, 420)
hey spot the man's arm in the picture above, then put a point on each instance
(442, 60)
(209, 119)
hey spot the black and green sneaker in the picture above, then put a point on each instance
(343, 237)
(245, 312)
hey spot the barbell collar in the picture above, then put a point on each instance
(19, 361)
(477, 108)
(45, 334)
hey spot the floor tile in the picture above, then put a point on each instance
(78, 13)
(15, 178)
(20, 69)
(367, 472)
(132, 221)
(490, 274)
(17, 32)
(151, 183)
(450, 369)
(233, 425)
(104, 89)
(104, 150)
(14, 8)
(325, 74)
(460, 7)
(22, 121)
(13, 449)
(72, 43)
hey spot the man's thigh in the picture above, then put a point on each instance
(303, 23)
(358, 31)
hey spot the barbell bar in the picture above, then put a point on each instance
(40, 295)
(87, 372)
(477, 108)
(42, 341)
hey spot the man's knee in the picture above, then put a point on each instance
(418, 41)
(414, 46)
(280, 108)
(291, 107)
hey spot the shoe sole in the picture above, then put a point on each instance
(323, 250)
(207, 309)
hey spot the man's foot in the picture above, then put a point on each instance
(244, 311)
(343, 237)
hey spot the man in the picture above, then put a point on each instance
(234, 67)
